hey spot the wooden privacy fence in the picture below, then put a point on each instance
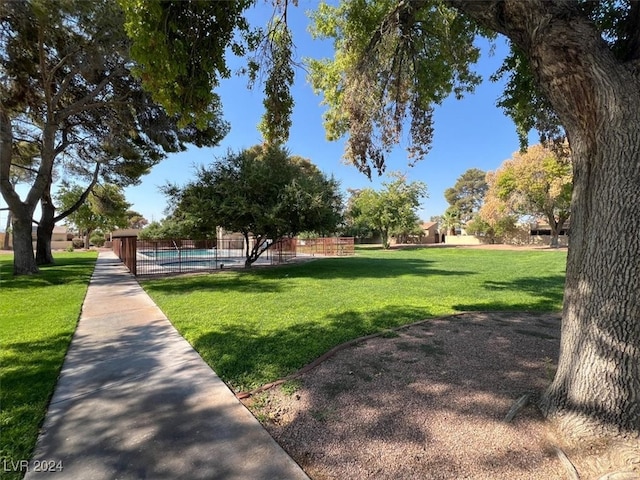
(124, 246)
(329, 246)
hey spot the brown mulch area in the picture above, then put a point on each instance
(428, 401)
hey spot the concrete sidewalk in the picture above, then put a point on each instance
(135, 401)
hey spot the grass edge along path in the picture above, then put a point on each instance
(255, 327)
(38, 316)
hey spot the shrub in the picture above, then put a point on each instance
(97, 239)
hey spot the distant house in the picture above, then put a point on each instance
(540, 233)
(430, 233)
(60, 238)
(542, 227)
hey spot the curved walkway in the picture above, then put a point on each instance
(135, 401)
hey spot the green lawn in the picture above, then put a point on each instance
(256, 326)
(38, 315)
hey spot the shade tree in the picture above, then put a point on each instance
(104, 209)
(69, 94)
(389, 211)
(572, 70)
(467, 195)
(262, 192)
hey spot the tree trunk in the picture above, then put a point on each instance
(596, 96)
(24, 263)
(87, 239)
(248, 251)
(555, 233)
(384, 236)
(556, 228)
(45, 231)
(48, 220)
(7, 234)
(597, 385)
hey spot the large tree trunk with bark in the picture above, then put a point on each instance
(23, 260)
(597, 385)
(45, 231)
(596, 389)
(5, 241)
(24, 263)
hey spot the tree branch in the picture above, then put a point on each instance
(64, 84)
(518, 20)
(83, 104)
(32, 170)
(6, 139)
(82, 198)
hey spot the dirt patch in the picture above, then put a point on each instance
(427, 401)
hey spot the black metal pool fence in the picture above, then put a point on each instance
(158, 257)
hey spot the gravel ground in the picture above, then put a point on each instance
(428, 402)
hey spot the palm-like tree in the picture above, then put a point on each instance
(451, 220)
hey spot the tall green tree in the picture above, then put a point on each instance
(390, 211)
(467, 195)
(450, 220)
(68, 92)
(136, 220)
(263, 193)
(105, 208)
(536, 183)
(573, 70)
(495, 218)
(165, 229)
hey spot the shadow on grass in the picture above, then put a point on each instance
(66, 270)
(247, 356)
(548, 293)
(363, 267)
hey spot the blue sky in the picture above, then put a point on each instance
(469, 133)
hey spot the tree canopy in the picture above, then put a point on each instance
(262, 192)
(105, 209)
(536, 183)
(69, 97)
(181, 51)
(390, 211)
(467, 195)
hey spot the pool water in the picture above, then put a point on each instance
(173, 254)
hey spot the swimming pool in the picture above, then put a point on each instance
(177, 253)
(156, 259)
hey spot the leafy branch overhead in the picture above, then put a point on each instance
(181, 52)
(393, 62)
